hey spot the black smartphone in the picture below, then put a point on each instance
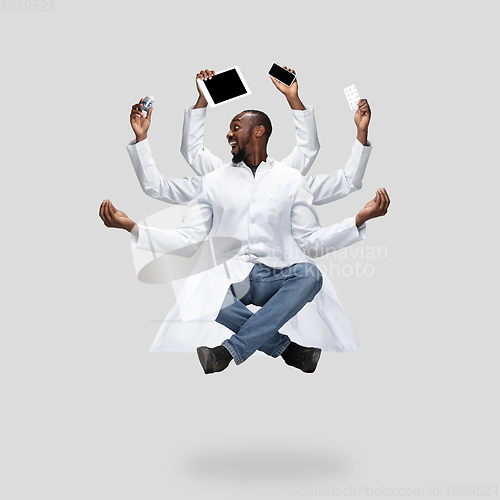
(282, 74)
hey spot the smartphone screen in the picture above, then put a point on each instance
(282, 74)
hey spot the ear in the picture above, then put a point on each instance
(260, 131)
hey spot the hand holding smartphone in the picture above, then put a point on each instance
(281, 74)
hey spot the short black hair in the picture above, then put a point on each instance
(260, 118)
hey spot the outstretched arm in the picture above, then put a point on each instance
(196, 224)
(199, 158)
(315, 240)
(304, 153)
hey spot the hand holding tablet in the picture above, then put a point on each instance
(224, 86)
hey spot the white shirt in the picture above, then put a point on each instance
(202, 161)
(273, 217)
(325, 188)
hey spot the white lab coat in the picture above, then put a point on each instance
(185, 327)
(273, 216)
(202, 161)
(325, 188)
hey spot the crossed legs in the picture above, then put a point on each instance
(281, 294)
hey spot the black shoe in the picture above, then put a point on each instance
(214, 359)
(303, 358)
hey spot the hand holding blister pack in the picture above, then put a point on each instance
(352, 97)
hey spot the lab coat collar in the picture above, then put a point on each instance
(263, 165)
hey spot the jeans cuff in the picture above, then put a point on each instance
(285, 344)
(232, 351)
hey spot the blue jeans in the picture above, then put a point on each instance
(281, 293)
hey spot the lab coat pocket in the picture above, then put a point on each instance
(279, 211)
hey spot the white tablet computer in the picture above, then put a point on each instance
(225, 86)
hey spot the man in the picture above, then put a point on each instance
(202, 161)
(325, 188)
(268, 208)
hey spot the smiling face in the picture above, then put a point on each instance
(240, 135)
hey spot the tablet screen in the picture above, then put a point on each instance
(225, 86)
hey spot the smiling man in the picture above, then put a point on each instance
(202, 161)
(268, 208)
(325, 188)
(240, 134)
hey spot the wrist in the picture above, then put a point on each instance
(140, 137)
(130, 226)
(201, 102)
(360, 220)
(295, 102)
(362, 136)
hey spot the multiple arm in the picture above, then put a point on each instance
(198, 219)
(202, 161)
(325, 188)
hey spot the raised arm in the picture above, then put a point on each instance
(200, 159)
(315, 240)
(176, 191)
(326, 188)
(304, 153)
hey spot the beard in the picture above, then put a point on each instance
(242, 151)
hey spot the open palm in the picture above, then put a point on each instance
(113, 217)
(376, 207)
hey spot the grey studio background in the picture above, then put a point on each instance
(88, 412)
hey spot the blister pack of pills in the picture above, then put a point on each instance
(352, 96)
